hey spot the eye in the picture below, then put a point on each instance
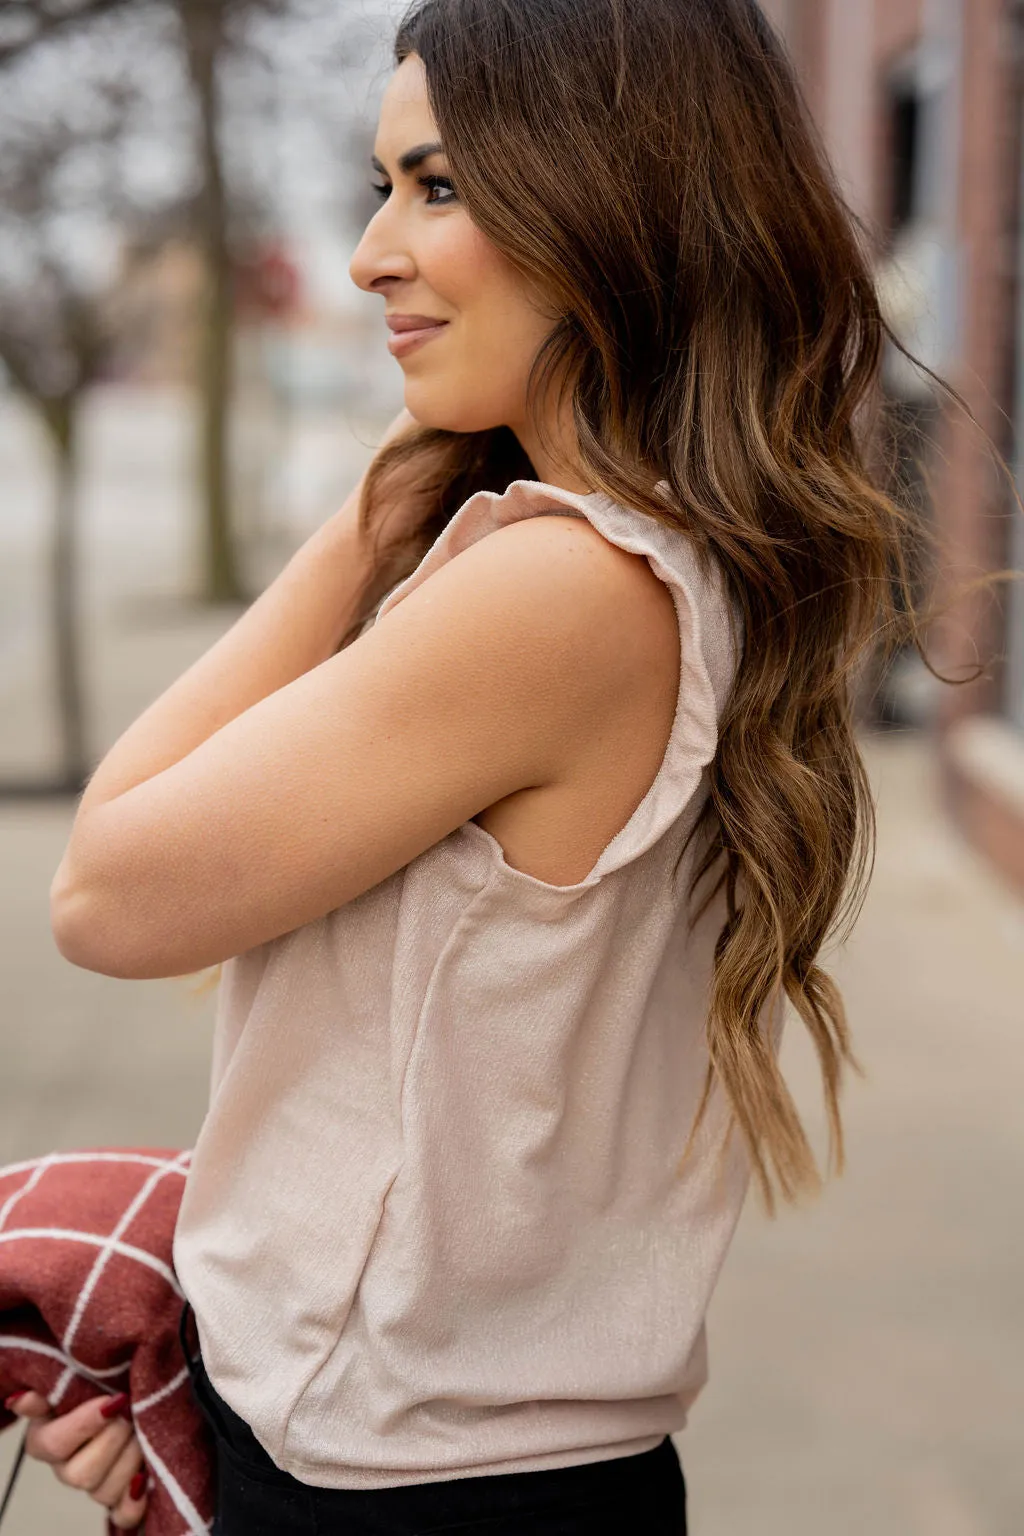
(436, 184)
(432, 184)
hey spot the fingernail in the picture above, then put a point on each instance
(9, 1402)
(115, 1405)
(137, 1486)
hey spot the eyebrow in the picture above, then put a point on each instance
(410, 160)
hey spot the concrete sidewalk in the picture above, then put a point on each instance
(867, 1355)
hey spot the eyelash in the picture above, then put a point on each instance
(432, 183)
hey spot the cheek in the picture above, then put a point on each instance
(458, 261)
(498, 329)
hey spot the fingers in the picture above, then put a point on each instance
(126, 1472)
(91, 1449)
(91, 1465)
(57, 1438)
(129, 1512)
(27, 1405)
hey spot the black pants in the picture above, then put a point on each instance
(642, 1495)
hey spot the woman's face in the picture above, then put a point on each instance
(426, 258)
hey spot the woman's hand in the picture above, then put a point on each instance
(93, 1447)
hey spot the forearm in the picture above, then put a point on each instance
(293, 626)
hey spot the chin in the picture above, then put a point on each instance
(433, 407)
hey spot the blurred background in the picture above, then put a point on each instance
(190, 384)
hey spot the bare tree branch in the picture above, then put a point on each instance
(25, 23)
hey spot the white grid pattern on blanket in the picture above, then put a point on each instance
(107, 1244)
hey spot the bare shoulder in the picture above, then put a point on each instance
(556, 581)
(563, 631)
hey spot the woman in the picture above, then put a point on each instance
(522, 799)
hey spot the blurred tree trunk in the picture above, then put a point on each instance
(203, 28)
(61, 417)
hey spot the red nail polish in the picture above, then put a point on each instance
(137, 1486)
(9, 1402)
(115, 1405)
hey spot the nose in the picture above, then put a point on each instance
(381, 256)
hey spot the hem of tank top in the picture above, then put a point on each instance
(544, 1461)
(500, 863)
(673, 747)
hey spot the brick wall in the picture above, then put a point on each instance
(846, 51)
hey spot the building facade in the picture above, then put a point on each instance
(921, 106)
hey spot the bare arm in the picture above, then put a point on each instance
(489, 677)
(291, 627)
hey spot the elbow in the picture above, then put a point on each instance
(96, 932)
(87, 934)
(73, 923)
(65, 905)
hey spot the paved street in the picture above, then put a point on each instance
(867, 1355)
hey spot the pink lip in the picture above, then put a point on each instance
(410, 332)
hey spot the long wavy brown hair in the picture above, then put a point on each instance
(650, 167)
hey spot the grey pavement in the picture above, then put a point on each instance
(867, 1353)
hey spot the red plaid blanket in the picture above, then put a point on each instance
(89, 1303)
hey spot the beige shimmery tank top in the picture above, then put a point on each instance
(433, 1226)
